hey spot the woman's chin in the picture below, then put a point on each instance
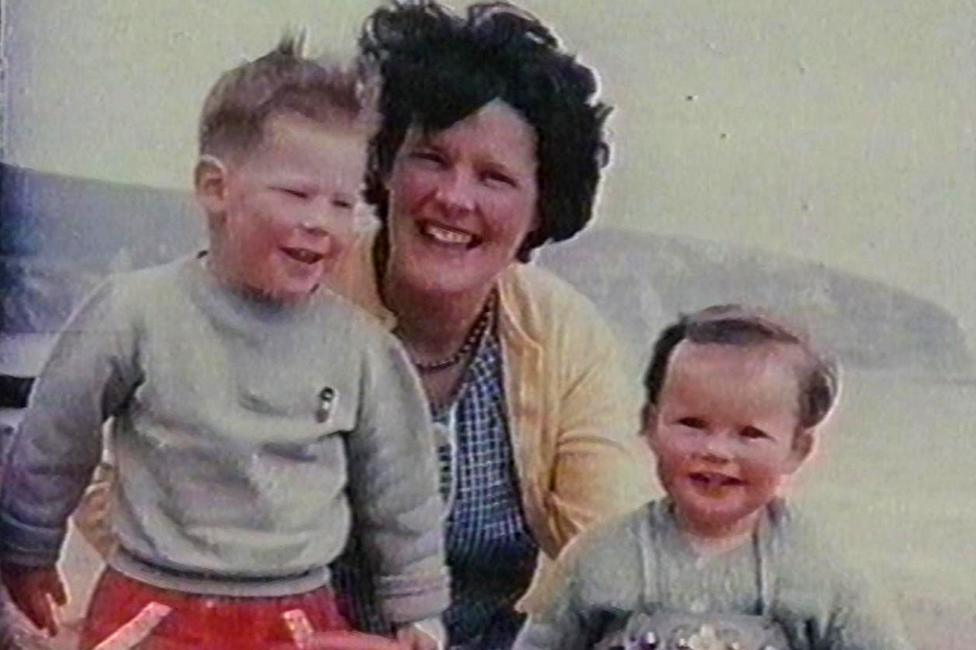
(449, 275)
(447, 288)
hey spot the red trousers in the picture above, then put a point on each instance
(125, 613)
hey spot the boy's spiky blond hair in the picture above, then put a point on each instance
(282, 81)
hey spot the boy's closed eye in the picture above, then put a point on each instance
(343, 203)
(753, 433)
(294, 192)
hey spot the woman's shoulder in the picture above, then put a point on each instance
(541, 301)
(542, 285)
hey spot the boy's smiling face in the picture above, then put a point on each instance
(725, 433)
(282, 213)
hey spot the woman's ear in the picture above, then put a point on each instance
(210, 184)
(529, 244)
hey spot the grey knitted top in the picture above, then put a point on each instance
(641, 564)
(247, 434)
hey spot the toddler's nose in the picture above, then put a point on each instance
(717, 447)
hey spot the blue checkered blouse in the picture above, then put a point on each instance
(490, 551)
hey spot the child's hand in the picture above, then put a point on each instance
(413, 638)
(33, 589)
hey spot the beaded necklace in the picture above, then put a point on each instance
(475, 334)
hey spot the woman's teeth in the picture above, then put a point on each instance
(446, 236)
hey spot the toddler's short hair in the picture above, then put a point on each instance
(282, 81)
(819, 381)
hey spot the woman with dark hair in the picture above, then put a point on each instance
(490, 145)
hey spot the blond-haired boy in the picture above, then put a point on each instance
(254, 415)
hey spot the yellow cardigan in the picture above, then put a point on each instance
(574, 420)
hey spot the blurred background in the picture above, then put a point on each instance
(815, 156)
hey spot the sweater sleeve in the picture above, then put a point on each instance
(824, 600)
(596, 580)
(393, 489)
(862, 618)
(88, 377)
(560, 625)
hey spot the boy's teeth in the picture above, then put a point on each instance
(447, 236)
(305, 256)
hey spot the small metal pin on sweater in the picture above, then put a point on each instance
(327, 398)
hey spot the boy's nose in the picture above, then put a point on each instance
(315, 227)
(320, 222)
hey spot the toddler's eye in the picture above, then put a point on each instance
(693, 423)
(753, 433)
(341, 203)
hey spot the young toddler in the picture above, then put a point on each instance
(734, 400)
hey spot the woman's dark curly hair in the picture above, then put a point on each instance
(436, 68)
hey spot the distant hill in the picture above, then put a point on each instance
(643, 280)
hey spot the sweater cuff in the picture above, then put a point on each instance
(412, 598)
(28, 545)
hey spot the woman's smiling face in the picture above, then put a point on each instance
(462, 200)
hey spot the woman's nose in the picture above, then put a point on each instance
(454, 192)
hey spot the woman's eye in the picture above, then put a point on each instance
(429, 157)
(753, 433)
(499, 178)
(693, 423)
